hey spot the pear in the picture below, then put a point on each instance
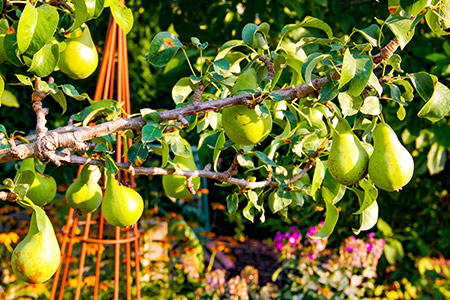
(246, 82)
(80, 58)
(43, 189)
(85, 194)
(348, 160)
(36, 258)
(121, 206)
(391, 166)
(175, 185)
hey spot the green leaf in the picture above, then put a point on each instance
(122, 15)
(424, 84)
(81, 14)
(36, 27)
(369, 218)
(61, 99)
(413, 7)
(263, 157)
(332, 191)
(254, 35)
(110, 164)
(245, 161)
(279, 199)
(71, 91)
(221, 66)
(163, 48)
(371, 106)
(401, 28)
(438, 106)
(371, 34)
(220, 142)
(2, 88)
(45, 60)
(11, 47)
(309, 66)
(385, 228)
(436, 159)
(356, 71)
(111, 108)
(328, 92)
(435, 22)
(232, 203)
(181, 90)
(298, 198)
(138, 153)
(309, 22)
(249, 212)
(41, 218)
(149, 114)
(349, 105)
(366, 198)
(151, 132)
(393, 251)
(24, 80)
(94, 8)
(331, 218)
(319, 175)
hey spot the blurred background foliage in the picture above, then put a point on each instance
(418, 217)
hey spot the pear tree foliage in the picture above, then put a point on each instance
(305, 80)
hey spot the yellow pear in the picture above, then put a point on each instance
(80, 58)
(175, 185)
(36, 258)
(85, 194)
(391, 166)
(348, 160)
(121, 206)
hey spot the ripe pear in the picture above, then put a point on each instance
(43, 189)
(37, 256)
(348, 160)
(244, 126)
(121, 206)
(80, 58)
(391, 166)
(85, 194)
(175, 185)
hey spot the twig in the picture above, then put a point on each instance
(8, 196)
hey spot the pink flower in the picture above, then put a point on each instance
(349, 249)
(371, 235)
(292, 241)
(310, 256)
(369, 246)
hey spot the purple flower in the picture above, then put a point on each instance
(369, 246)
(296, 234)
(286, 235)
(371, 235)
(278, 237)
(349, 249)
(292, 241)
(293, 229)
(310, 256)
(312, 230)
(279, 246)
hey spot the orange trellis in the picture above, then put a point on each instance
(115, 63)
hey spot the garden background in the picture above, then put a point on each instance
(413, 227)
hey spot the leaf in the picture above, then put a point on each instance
(221, 66)
(220, 142)
(61, 99)
(110, 164)
(279, 199)
(81, 14)
(163, 48)
(331, 218)
(151, 132)
(245, 161)
(36, 27)
(181, 90)
(371, 106)
(424, 84)
(70, 91)
(369, 218)
(413, 7)
(309, 66)
(393, 250)
(309, 22)
(45, 60)
(2, 88)
(356, 71)
(137, 154)
(41, 218)
(123, 16)
(401, 28)
(111, 108)
(349, 105)
(263, 157)
(371, 34)
(319, 174)
(332, 191)
(328, 92)
(24, 80)
(249, 212)
(385, 228)
(10, 46)
(94, 8)
(367, 198)
(232, 203)
(254, 35)
(438, 106)
(149, 114)
(436, 159)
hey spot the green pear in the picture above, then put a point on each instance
(391, 166)
(36, 258)
(121, 206)
(245, 126)
(85, 194)
(175, 185)
(43, 189)
(348, 160)
(245, 83)
(80, 58)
